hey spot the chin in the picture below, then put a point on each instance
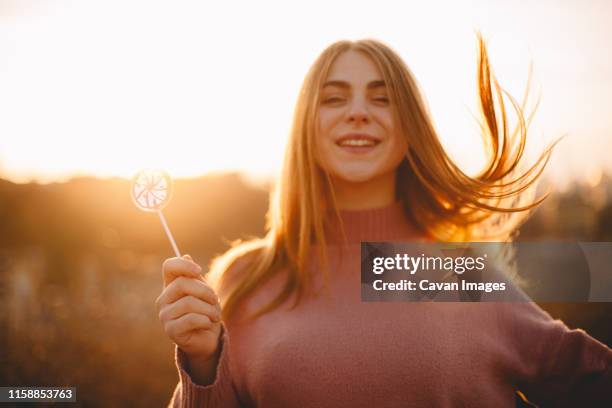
(355, 174)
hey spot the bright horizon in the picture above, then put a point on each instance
(106, 88)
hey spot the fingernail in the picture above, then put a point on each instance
(197, 268)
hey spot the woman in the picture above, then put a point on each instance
(364, 163)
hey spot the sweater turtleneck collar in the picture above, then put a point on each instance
(388, 223)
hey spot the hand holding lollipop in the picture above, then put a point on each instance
(151, 191)
(188, 307)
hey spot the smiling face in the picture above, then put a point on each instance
(356, 138)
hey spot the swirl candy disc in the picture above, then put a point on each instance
(151, 189)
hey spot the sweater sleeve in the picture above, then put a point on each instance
(568, 368)
(221, 393)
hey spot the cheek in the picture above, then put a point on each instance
(327, 118)
(398, 144)
(323, 148)
(385, 119)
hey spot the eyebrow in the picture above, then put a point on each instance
(342, 84)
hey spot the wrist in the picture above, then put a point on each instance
(203, 357)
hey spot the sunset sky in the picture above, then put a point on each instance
(105, 88)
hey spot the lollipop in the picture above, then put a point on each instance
(151, 192)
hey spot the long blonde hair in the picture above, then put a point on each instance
(437, 195)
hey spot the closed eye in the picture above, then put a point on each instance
(333, 99)
(381, 99)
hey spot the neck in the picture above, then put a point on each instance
(386, 223)
(373, 193)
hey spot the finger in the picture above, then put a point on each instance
(189, 304)
(181, 287)
(187, 323)
(175, 267)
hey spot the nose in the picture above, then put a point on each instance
(358, 112)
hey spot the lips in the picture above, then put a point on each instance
(357, 140)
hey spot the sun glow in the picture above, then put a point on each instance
(107, 88)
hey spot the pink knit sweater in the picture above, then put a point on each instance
(336, 351)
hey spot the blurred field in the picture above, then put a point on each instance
(80, 270)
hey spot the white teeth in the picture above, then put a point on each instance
(357, 142)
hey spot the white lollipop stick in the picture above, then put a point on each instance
(168, 233)
(151, 191)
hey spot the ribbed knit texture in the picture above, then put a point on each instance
(335, 351)
(378, 224)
